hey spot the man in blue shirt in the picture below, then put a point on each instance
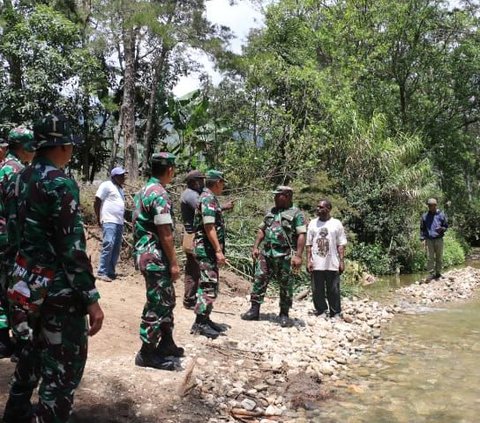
(432, 229)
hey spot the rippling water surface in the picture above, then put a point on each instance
(428, 371)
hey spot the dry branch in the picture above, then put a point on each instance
(186, 386)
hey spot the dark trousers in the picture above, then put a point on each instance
(330, 280)
(192, 276)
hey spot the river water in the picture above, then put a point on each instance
(426, 369)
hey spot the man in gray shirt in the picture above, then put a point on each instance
(188, 203)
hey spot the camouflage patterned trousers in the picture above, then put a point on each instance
(158, 310)
(207, 286)
(56, 355)
(278, 269)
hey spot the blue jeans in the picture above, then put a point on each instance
(112, 241)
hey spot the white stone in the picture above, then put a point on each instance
(248, 404)
(273, 411)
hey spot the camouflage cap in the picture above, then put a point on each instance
(20, 135)
(214, 175)
(163, 158)
(432, 201)
(54, 130)
(283, 189)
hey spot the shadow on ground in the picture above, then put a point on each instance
(119, 412)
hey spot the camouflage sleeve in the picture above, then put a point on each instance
(3, 224)
(5, 172)
(300, 223)
(69, 241)
(162, 210)
(208, 209)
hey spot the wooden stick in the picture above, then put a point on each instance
(186, 385)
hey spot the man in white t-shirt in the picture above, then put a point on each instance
(110, 209)
(326, 243)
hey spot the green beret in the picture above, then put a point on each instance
(283, 189)
(214, 175)
(163, 158)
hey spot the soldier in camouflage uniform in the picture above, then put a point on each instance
(52, 284)
(283, 234)
(155, 257)
(209, 250)
(20, 153)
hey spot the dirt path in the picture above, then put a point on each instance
(113, 389)
(259, 372)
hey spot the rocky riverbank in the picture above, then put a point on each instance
(258, 372)
(275, 374)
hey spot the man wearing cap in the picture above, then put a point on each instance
(209, 250)
(110, 210)
(283, 235)
(20, 153)
(433, 226)
(52, 287)
(155, 257)
(188, 203)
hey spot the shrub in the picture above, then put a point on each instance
(418, 259)
(373, 256)
(453, 252)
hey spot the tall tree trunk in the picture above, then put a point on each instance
(87, 142)
(158, 72)
(116, 140)
(128, 105)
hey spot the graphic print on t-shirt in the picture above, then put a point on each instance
(323, 244)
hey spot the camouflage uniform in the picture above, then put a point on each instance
(11, 166)
(52, 285)
(154, 207)
(281, 228)
(208, 211)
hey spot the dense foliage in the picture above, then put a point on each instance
(374, 104)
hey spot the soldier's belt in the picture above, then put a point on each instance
(277, 247)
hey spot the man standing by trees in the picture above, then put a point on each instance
(209, 249)
(188, 204)
(20, 152)
(326, 242)
(156, 259)
(110, 210)
(433, 226)
(283, 234)
(52, 282)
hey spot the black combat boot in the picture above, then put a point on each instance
(201, 327)
(147, 357)
(283, 318)
(167, 347)
(219, 327)
(253, 313)
(6, 346)
(18, 408)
